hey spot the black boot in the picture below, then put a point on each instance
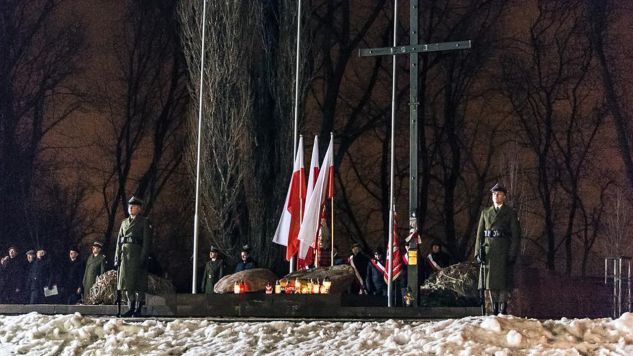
(139, 308)
(131, 305)
(502, 308)
(495, 308)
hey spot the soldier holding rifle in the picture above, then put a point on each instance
(496, 248)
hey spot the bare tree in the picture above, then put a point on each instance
(547, 91)
(40, 57)
(143, 106)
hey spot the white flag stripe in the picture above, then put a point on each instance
(283, 229)
(312, 177)
(311, 218)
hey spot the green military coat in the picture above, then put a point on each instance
(95, 266)
(501, 252)
(213, 272)
(132, 252)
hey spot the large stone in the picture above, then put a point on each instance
(341, 276)
(256, 280)
(104, 289)
(455, 285)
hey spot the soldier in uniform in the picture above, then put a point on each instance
(132, 252)
(498, 235)
(95, 266)
(214, 270)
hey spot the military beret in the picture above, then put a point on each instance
(97, 244)
(135, 201)
(499, 188)
(30, 252)
(436, 242)
(356, 245)
(12, 247)
(246, 248)
(213, 249)
(379, 251)
(74, 248)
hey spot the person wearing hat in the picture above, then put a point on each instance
(497, 247)
(376, 274)
(95, 266)
(437, 259)
(359, 261)
(132, 252)
(72, 277)
(246, 261)
(214, 270)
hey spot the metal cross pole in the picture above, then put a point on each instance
(413, 49)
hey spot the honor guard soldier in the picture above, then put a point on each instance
(132, 251)
(95, 266)
(214, 270)
(497, 247)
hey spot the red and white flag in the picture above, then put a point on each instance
(314, 204)
(312, 178)
(396, 258)
(290, 221)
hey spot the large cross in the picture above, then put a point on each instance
(412, 49)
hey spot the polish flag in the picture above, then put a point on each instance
(314, 205)
(290, 221)
(312, 177)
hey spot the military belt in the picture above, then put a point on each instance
(131, 241)
(493, 233)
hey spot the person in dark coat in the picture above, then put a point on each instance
(72, 279)
(28, 264)
(359, 261)
(247, 262)
(40, 276)
(499, 236)
(375, 277)
(14, 268)
(95, 266)
(132, 252)
(214, 270)
(436, 260)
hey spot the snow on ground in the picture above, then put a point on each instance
(36, 334)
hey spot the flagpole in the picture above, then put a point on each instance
(194, 280)
(392, 155)
(331, 214)
(296, 109)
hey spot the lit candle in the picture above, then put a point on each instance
(315, 287)
(326, 286)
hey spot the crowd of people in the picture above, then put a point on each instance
(33, 278)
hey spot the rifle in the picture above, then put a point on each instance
(117, 263)
(482, 275)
